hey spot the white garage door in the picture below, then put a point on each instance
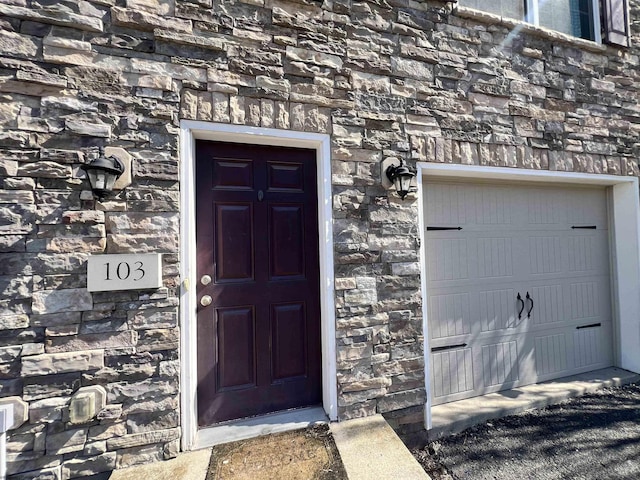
(517, 285)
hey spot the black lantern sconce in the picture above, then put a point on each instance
(401, 177)
(103, 173)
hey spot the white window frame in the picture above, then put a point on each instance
(533, 17)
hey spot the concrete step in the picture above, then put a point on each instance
(186, 466)
(371, 450)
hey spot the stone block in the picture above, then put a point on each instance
(20, 411)
(44, 78)
(139, 455)
(88, 467)
(67, 441)
(87, 128)
(70, 300)
(132, 243)
(17, 219)
(22, 46)
(397, 401)
(153, 318)
(360, 297)
(30, 461)
(145, 438)
(62, 363)
(91, 341)
(134, 18)
(13, 322)
(39, 388)
(45, 169)
(8, 168)
(53, 473)
(309, 56)
(47, 410)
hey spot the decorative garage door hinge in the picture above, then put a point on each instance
(443, 228)
(586, 227)
(448, 347)
(593, 325)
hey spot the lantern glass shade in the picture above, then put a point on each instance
(103, 173)
(401, 178)
(101, 180)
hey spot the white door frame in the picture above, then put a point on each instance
(190, 131)
(624, 245)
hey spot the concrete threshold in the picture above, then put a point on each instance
(454, 417)
(263, 425)
(371, 450)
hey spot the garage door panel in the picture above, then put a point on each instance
(448, 204)
(452, 373)
(585, 252)
(495, 257)
(545, 254)
(448, 259)
(591, 350)
(500, 363)
(497, 310)
(587, 207)
(515, 240)
(545, 207)
(551, 353)
(450, 315)
(457, 205)
(549, 305)
(493, 205)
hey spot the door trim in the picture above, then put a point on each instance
(624, 248)
(190, 131)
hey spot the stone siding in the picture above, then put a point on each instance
(418, 81)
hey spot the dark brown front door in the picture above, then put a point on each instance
(257, 239)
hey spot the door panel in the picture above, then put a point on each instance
(288, 325)
(236, 347)
(286, 224)
(257, 237)
(234, 252)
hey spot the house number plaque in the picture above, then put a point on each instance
(124, 272)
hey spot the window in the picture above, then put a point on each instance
(580, 18)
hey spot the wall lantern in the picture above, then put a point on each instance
(103, 173)
(401, 177)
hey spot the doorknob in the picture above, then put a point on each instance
(205, 280)
(205, 301)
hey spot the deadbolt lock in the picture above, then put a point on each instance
(205, 280)
(205, 301)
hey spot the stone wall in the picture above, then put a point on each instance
(418, 81)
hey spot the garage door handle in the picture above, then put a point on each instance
(531, 309)
(521, 309)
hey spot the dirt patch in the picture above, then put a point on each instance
(308, 454)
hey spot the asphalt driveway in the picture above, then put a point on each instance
(593, 437)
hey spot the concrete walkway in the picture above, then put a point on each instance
(454, 417)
